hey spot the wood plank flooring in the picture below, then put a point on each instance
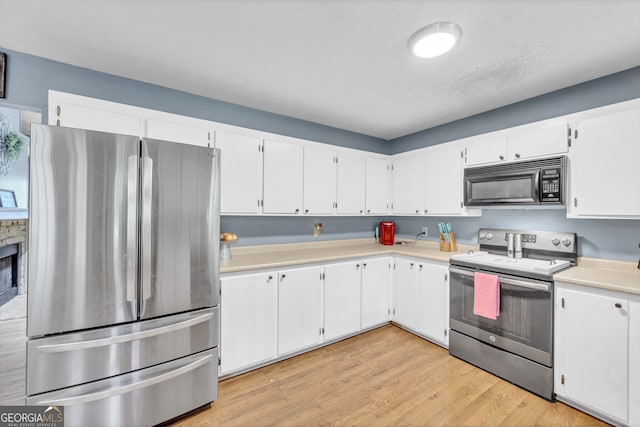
(13, 355)
(385, 377)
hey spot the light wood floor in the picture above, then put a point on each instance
(384, 377)
(13, 354)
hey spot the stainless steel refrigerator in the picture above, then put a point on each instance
(123, 276)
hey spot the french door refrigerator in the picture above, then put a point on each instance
(123, 276)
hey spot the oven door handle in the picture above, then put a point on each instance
(513, 282)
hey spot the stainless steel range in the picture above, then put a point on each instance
(518, 344)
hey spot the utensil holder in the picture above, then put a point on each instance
(449, 246)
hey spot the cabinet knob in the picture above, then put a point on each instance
(306, 211)
(364, 265)
(368, 210)
(297, 210)
(270, 278)
(517, 155)
(360, 210)
(426, 210)
(417, 210)
(357, 266)
(283, 276)
(411, 265)
(618, 305)
(501, 157)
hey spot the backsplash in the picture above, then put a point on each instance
(611, 239)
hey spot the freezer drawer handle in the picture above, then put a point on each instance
(101, 342)
(90, 397)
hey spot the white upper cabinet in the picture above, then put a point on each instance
(604, 175)
(538, 141)
(98, 118)
(184, 131)
(378, 185)
(240, 173)
(487, 148)
(351, 183)
(407, 184)
(443, 180)
(282, 177)
(320, 175)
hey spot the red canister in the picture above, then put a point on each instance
(387, 232)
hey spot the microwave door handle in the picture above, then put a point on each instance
(537, 193)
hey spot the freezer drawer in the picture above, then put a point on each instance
(66, 360)
(142, 398)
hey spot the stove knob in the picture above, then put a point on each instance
(566, 242)
(555, 242)
(482, 235)
(489, 236)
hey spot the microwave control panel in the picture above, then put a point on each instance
(551, 185)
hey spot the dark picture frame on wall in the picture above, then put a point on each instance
(3, 72)
(7, 199)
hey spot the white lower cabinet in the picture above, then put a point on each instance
(433, 301)
(421, 297)
(405, 293)
(248, 323)
(300, 308)
(341, 299)
(376, 291)
(592, 351)
(634, 362)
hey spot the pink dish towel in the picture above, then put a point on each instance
(486, 295)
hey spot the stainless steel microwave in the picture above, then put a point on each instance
(534, 182)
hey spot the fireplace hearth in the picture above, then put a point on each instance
(13, 242)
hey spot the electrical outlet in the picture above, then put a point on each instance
(425, 231)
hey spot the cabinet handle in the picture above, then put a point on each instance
(517, 155)
(618, 305)
(501, 157)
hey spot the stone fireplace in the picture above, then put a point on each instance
(13, 248)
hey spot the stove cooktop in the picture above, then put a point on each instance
(526, 265)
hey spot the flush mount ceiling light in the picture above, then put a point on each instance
(435, 39)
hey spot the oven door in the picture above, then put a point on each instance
(498, 188)
(525, 323)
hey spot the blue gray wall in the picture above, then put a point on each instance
(29, 78)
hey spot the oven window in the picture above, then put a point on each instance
(513, 188)
(525, 314)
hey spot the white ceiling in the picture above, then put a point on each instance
(342, 63)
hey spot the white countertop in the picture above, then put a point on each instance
(599, 273)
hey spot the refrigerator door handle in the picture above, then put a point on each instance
(90, 397)
(147, 200)
(101, 342)
(132, 228)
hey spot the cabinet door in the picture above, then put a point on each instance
(545, 141)
(483, 149)
(634, 362)
(377, 183)
(299, 309)
(341, 299)
(443, 181)
(376, 291)
(248, 317)
(184, 133)
(405, 293)
(320, 176)
(99, 119)
(351, 183)
(282, 177)
(407, 192)
(432, 301)
(604, 166)
(591, 346)
(240, 173)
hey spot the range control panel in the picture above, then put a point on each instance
(553, 241)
